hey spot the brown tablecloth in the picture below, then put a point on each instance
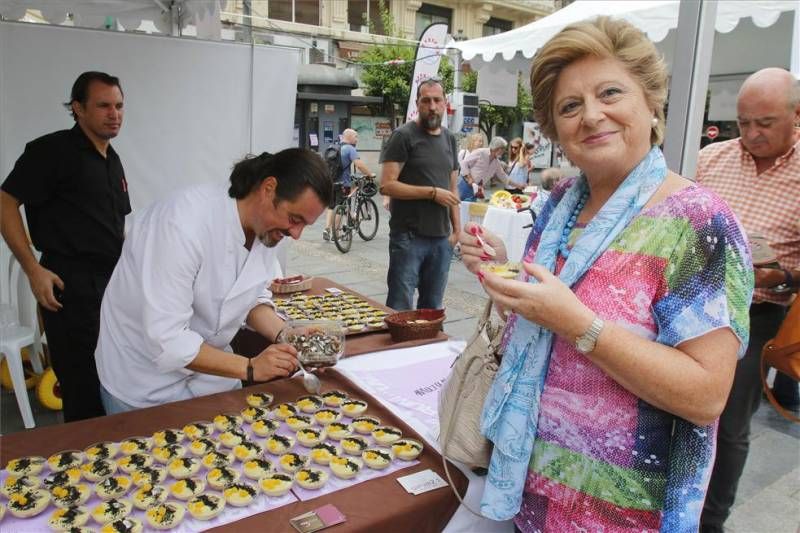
(379, 504)
(250, 343)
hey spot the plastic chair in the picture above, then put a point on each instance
(13, 335)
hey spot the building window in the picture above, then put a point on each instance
(366, 13)
(427, 14)
(301, 11)
(494, 26)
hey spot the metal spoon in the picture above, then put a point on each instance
(310, 381)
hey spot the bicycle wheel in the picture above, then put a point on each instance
(367, 219)
(342, 229)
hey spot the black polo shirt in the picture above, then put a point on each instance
(75, 199)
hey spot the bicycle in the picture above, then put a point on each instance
(356, 213)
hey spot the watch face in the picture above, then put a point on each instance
(584, 345)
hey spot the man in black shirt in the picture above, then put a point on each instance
(73, 187)
(419, 174)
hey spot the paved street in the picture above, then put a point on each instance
(769, 493)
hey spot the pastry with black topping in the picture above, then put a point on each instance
(279, 444)
(365, 424)
(353, 407)
(149, 495)
(123, 525)
(339, 430)
(111, 510)
(65, 477)
(65, 460)
(165, 454)
(64, 519)
(28, 503)
(276, 484)
(183, 467)
(257, 468)
(135, 461)
(133, 445)
(70, 495)
(327, 416)
(247, 450)
(202, 446)
(198, 430)
(265, 428)
(206, 506)
(101, 450)
(232, 437)
(386, 434)
(168, 436)
(113, 487)
(354, 445)
(296, 422)
(165, 516)
(26, 466)
(98, 470)
(220, 477)
(311, 478)
(345, 467)
(251, 414)
(225, 422)
(13, 484)
(334, 398)
(184, 489)
(259, 399)
(377, 458)
(283, 410)
(148, 474)
(309, 404)
(216, 458)
(292, 462)
(407, 449)
(310, 437)
(240, 494)
(323, 452)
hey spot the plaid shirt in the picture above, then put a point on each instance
(767, 204)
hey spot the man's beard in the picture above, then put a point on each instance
(267, 240)
(431, 121)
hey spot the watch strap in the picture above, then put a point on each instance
(250, 371)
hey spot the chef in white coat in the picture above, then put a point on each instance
(194, 268)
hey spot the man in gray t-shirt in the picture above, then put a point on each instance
(420, 175)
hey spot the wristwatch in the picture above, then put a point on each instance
(586, 342)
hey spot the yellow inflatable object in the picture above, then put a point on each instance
(31, 377)
(48, 391)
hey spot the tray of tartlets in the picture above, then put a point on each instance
(355, 313)
(266, 455)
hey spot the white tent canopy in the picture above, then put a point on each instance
(655, 17)
(130, 13)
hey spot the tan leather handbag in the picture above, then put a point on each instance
(461, 399)
(783, 354)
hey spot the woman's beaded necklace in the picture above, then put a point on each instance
(562, 245)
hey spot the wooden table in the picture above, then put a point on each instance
(250, 343)
(376, 505)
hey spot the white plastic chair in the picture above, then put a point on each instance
(13, 335)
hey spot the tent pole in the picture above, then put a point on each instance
(689, 84)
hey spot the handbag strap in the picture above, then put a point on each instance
(482, 324)
(768, 391)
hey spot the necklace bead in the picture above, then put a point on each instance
(573, 219)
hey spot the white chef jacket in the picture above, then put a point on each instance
(184, 278)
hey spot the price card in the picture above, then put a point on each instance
(422, 482)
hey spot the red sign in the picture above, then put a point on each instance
(712, 132)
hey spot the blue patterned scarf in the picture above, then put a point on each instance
(511, 411)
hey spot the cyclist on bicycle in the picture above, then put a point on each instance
(342, 183)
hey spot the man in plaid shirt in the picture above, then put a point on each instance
(758, 175)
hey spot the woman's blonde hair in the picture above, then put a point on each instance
(603, 38)
(473, 141)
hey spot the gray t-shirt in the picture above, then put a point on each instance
(429, 160)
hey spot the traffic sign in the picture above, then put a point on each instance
(712, 132)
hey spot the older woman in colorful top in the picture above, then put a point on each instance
(626, 321)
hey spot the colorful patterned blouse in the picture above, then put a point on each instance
(605, 460)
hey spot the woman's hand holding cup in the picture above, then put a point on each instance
(479, 246)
